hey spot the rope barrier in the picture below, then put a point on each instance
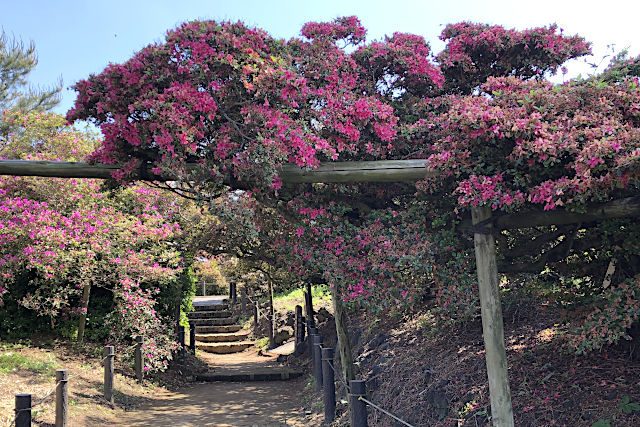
(40, 402)
(338, 375)
(383, 411)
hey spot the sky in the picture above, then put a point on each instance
(77, 38)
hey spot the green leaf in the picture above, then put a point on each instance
(601, 423)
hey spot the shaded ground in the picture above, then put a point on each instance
(31, 369)
(432, 376)
(258, 403)
(273, 403)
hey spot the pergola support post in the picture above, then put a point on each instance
(492, 323)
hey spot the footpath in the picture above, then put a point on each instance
(241, 388)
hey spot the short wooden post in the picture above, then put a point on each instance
(311, 331)
(328, 386)
(204, 288)
(232, 292)
(492, 323)
(109, 355)
(317, 361)
(298, 328)
(181, 338)
(234, 297)
(358, 407)
(138, 358)
(308, 305)
(192, 337)
(256, 314)
(23, 410)
(62, 397)
(243, 298)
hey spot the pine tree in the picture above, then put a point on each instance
(16, 62)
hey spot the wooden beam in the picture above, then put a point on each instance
(492, 323)
(620, 208)
(336, 172)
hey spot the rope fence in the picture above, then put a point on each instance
(326, 376)
(24, 404)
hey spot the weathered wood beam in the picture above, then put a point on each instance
(620, 208)
(492, 323)
(337, 172)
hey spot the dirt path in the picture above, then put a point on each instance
(273, 403)
(256, 403)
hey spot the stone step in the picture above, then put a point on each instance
(259, 375)
(222, 337)
(224, 347)
(204, 314)
(213, 307)
(221, 321)
(217, 329)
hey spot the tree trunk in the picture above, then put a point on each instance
(346, 358)
(86, 291)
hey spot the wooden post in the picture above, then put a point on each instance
(181, 338)
(311, 331)
(82, 322)
(344, 345)
(317, 361)
(192, 337)
(328, 386)
(23, 410)
(298, 328)
(62, 397)
(234, 294)
(243, 298)
(138, 358)
(272, 341)
(256, 314)
(109, 355)
(204, 288)
(308, 305)
(492, 323)
(358, 407)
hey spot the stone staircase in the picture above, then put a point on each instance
(217, 331)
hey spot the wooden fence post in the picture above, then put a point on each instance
(311, 331)
(308, 305)
(328, 385)
(298, 328)
(62, 397)
(181, 341)
(109, 355)
(256, 314)
(358, 407)
(138, 358)
(243, 298)
(317, 361)
(23, 410)
(492, 323)
(192, 337)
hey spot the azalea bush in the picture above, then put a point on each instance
(59, 237)
(220, 103)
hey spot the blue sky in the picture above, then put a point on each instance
(76, 38)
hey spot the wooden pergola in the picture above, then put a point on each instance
(484, 225)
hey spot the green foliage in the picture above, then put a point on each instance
(10, 361)
(16, 62)
(627, 406)
(601, 423)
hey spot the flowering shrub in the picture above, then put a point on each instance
(618, 308)
(239, 103)
(134, 315)
(59, 236)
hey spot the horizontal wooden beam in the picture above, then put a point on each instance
(621, 208)
(338, 172)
